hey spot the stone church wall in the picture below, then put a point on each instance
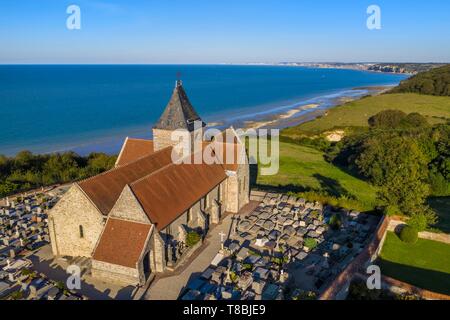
(115, 273)
(71, 212)
(244, 183)
(163, 138)
(232, 200)
(128, 208)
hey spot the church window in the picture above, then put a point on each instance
(81, 231)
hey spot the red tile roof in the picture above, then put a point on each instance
(104, 189)
(169, 192)
(122, 242)
(134, 149)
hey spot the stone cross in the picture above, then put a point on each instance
(222, 235)
(278, 244)
(228, 279)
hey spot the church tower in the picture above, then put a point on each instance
(179, 114)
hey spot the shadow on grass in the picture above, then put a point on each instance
(425, 279)
(332, 187)
(328, 186)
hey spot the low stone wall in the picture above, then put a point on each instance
(338, 287)
(400, 287)
(256, 195)
(114, 273)
(440, 237)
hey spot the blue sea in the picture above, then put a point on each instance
(47, 108)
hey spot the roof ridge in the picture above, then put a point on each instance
(170, 165)
(124, 166)
(140, 139)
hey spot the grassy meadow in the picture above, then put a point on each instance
(425, 264)
(357, 113)
(304, 169)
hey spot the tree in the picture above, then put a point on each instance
(432, 82)
(398, 166)
(414, 120)
(387, 119)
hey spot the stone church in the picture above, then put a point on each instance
(131, 220)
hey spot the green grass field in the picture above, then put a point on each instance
(425, 264)
(305, 168)
(357, 113)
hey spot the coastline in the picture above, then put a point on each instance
(276, 118)
(270, 116)
(311, 111)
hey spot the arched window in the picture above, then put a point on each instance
(81, 231)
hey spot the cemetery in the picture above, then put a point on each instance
(23, 231)
(286, 248)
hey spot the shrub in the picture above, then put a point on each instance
(391, 210)
(387, 119)
(247, 266)
(17, 295)
(422, 219)
(310, 243)
(409, 235)
(192, 238)
(335, 222)
(60, 285)
(306, 295)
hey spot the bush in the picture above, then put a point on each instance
(192, 238)
(391, 210)
(335, 222)
(421, 220)
(387, 119)
(310, 243)
(409, 235)
(16, 295)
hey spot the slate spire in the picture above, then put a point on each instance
(179, 112)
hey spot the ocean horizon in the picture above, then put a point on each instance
(86, 108)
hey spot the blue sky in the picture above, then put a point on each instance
(213, 31)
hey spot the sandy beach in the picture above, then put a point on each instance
(309, 112)
(277, 118)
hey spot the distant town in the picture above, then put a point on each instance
(398, 68)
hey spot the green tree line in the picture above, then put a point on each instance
(435, 82)
(402, 154)
(26, 170)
